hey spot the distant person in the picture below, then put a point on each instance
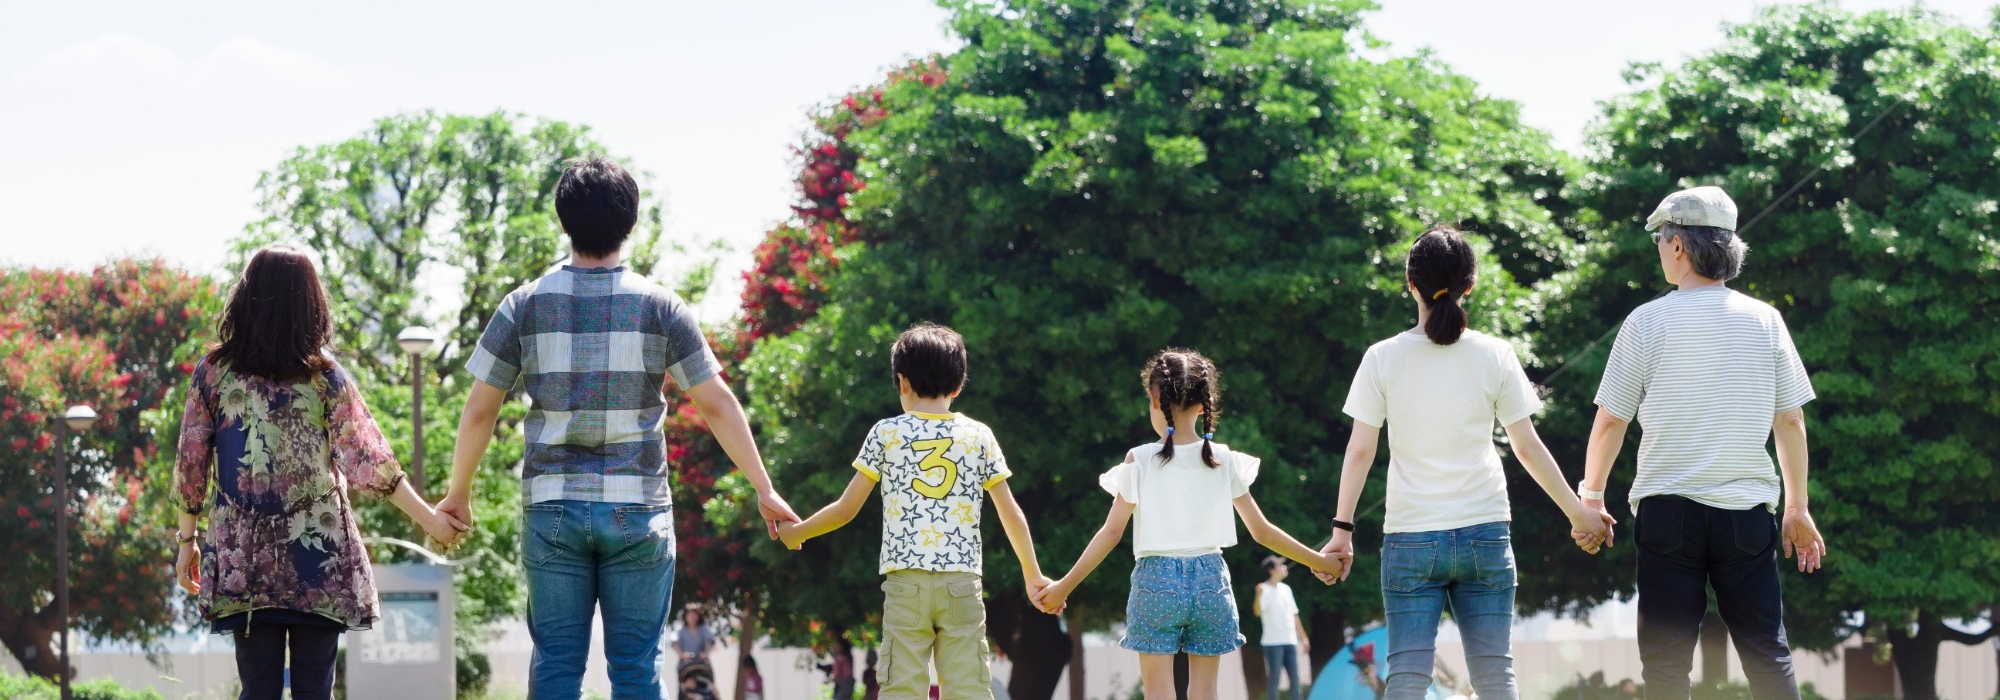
(935, 468)
(841, 670)
(871, 687)
(1178, 493)
(1711, 376)
(1284, 639)
(1440, 388)
(281, 429)
(753, 681)
(695, 638)
(595, 347)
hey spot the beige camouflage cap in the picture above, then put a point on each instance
(1699, 206)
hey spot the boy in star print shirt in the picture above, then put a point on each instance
(935, 469)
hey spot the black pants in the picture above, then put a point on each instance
(1684, 549)
(260, 660)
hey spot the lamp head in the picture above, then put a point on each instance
(416, 339)
(80, 418)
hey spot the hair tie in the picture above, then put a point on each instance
(1440, 293)
(1170, 431)
(1208, 436)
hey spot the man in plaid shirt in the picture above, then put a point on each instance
(594, 345)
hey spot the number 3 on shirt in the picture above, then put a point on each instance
(933, 461)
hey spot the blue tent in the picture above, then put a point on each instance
(1340, 680)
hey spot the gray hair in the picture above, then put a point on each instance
(1715, 253)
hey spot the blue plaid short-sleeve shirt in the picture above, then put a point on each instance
(593, 348)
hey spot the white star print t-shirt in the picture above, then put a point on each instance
(933, 470)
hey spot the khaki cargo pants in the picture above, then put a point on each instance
(934, 616)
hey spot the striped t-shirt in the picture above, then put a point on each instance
(1705, 371)
(594, 348)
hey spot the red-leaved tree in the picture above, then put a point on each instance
(120, 339)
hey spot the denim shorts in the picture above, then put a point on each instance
(1181, 604)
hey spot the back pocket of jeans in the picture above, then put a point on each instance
(543, 522)
(1659, 524)
(648, 532)
(1495, 562)
(1407, 566)
(1755, 528)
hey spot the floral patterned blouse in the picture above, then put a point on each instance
(272, 462)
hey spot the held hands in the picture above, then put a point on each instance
(456, 510)
(444, 528)
(1802, 538)
(1591, 527)
(1035, 587)
(1054, 597)
(775, 510)
(1340, 558)
(187, 568)
(788, 533)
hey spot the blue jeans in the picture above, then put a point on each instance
(1472, 570)
(583, 557)
(1281, 656)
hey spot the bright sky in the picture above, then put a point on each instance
(141, 127)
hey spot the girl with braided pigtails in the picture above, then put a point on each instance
(1180, 491)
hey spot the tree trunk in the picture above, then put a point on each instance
(1714, 649)
(746, 636)
(1075, 661)
(1253, 671)
(1035, 643)
(1916, 655)
(1326, 633)
(30, 637)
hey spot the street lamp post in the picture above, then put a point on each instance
(76, 420)
(414, 341)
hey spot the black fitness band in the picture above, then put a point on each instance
(1344, 525)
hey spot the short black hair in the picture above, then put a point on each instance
(932, 358)
(1273, 562)
(598, 203)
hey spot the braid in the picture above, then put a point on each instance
(1208, 400)
(1172, 395)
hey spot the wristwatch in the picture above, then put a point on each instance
(1585, 493)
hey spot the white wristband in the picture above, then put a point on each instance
(1585, 493)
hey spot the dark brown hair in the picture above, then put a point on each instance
(598, 203)
(1442, 267)
(276, 325)
(932, 358)
(1183, 379)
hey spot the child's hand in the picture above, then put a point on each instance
(788, 533)
(1035, 587)
(1055, 597)
(1332, 565)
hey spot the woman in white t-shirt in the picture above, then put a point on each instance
(1284, 639)
(1440, 388)
(1179, 493)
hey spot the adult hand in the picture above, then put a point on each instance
(1604, 513)
(1035, 587)
(788, 534)
(1802, 539)
(458, 506)
(187, 568)
(1591, 528)
(443, 528)
(1341, 543)
(774, 510)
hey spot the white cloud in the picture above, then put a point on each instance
(127, 61)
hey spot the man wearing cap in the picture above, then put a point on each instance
(1711, 376)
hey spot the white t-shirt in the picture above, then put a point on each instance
(1705, 370)
(1440, 403)
(933, 470)
(1277, 607)
(1182, 506)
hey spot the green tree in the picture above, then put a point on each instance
(1884, 267)
(1089, 182)
(119, 339)
(463, 206)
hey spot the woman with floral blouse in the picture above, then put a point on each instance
(274, 438)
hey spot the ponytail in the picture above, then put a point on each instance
(1442, 268)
